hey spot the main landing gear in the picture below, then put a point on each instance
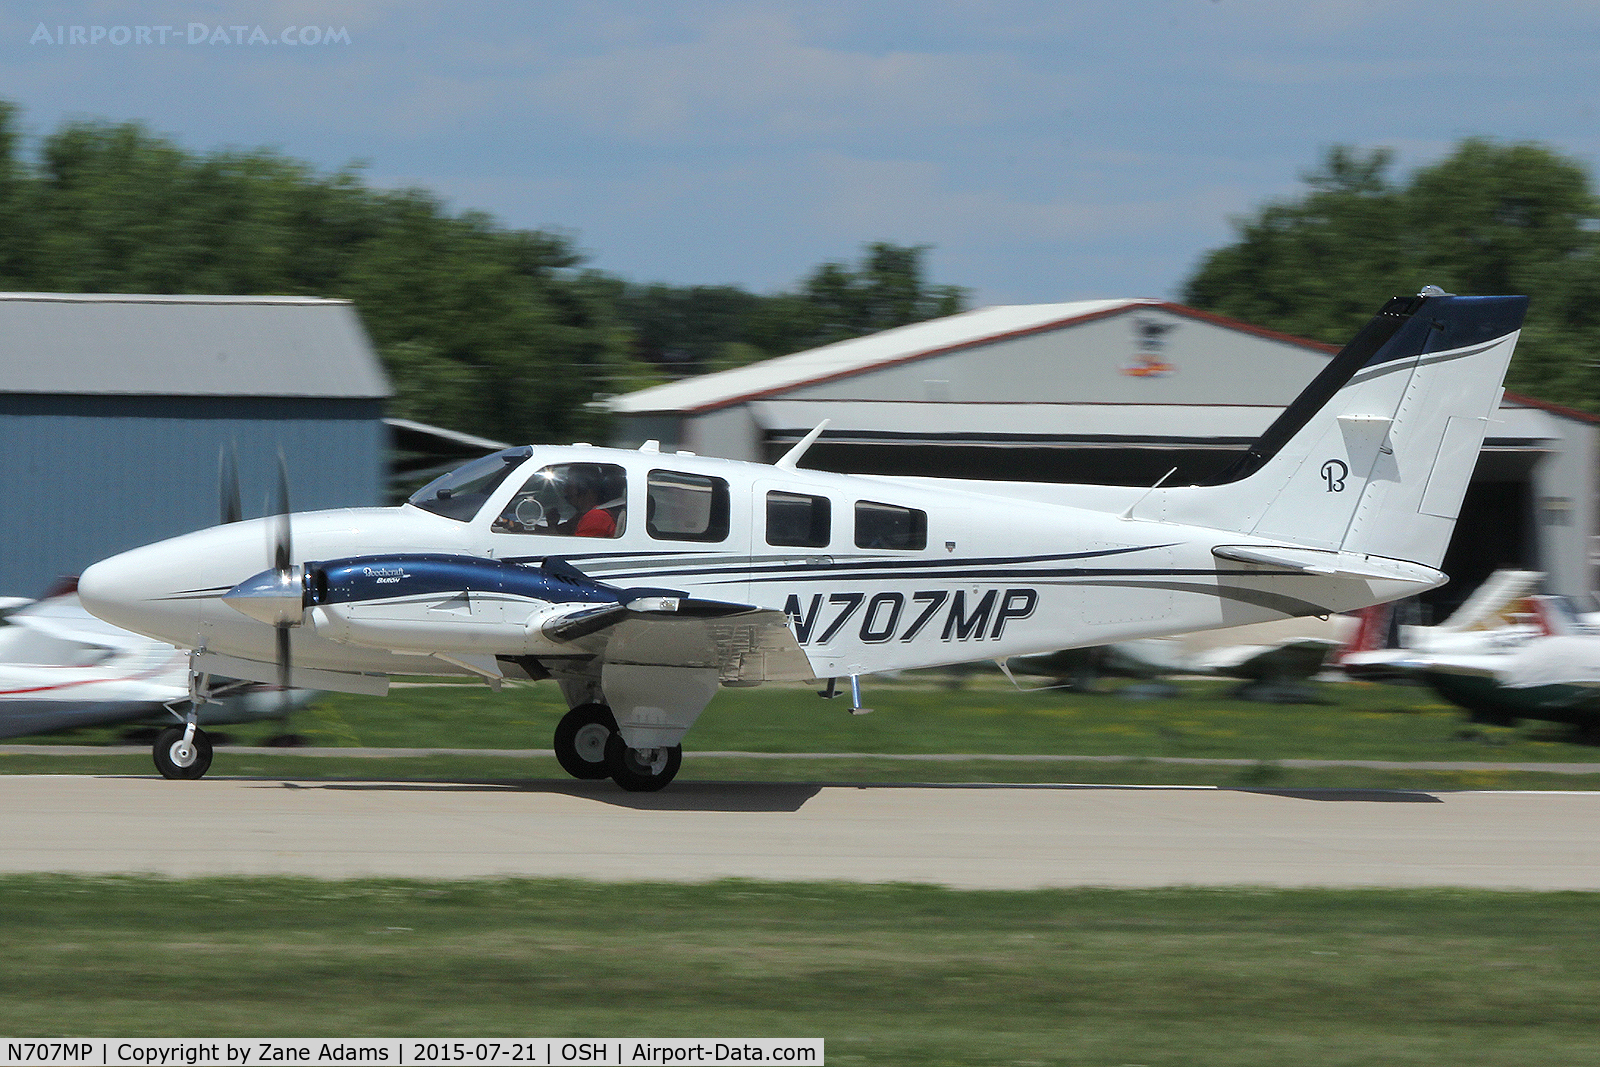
(589, 746)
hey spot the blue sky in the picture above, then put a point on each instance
(1048, 150)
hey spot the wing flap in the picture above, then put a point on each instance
(753, 645)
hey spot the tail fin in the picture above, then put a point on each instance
(1373, 629)
(1554, 616)
(1489, 605)
(1375, 455)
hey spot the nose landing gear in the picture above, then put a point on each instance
(182, 751)
(185, 751)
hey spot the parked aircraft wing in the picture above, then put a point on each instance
(65, 619)
(1300, 658)
(1561, 660)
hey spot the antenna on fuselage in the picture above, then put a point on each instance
(791, 458)
(1129, 513)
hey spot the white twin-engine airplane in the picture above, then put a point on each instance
(640, 581)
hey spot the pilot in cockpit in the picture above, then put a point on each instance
(597, 505)
(569, 500)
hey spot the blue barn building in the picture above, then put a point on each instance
(115, 408)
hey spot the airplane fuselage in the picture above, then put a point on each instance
(873, 574)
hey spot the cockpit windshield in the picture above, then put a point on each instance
(459, 494)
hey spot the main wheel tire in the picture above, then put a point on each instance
(633, 774)
(581, 738)
(174, 761)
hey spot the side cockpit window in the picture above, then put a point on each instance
(687, 507)
(569, 500)
(888, 526)
(798, 520)
(459, 494)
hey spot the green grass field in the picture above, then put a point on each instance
(886, 974)
(919, 714)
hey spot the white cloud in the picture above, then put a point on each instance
(752, 76)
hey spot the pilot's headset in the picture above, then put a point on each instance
(583, 478)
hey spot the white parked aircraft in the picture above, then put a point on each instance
(61, 668)
(641, 581)
(1274, 660)
(1503, 655)
(1500, 617)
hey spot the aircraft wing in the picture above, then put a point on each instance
(741, 642)
(65, 619)
(484, 615)
(1299, 658)
(1566, 660)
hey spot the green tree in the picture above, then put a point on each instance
(700, 328)
(494, 331)
(1488, 218)
(17, 223)
(484, 329)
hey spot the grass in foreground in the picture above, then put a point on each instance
(887, 974)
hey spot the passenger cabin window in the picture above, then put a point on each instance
(798, 520)
(460, 493)
(686, 507)
(888, 526)
(569, 500)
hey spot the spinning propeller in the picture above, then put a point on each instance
(228, 483)
(288, 576)
(274, 596)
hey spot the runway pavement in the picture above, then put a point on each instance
(1003, 836)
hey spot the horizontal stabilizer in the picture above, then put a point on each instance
(1328, 564)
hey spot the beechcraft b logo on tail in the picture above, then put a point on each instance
(1334, 472)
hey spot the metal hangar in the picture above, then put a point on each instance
(1105, 391)
(114, 409)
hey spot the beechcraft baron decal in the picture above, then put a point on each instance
(641, 581)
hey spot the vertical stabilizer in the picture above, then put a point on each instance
(1375, 455)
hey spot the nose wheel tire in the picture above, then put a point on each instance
(641, 770)
(580, 741)
(174, 759)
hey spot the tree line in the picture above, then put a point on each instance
(508, 333)
(483, 328)
(1490, 218)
